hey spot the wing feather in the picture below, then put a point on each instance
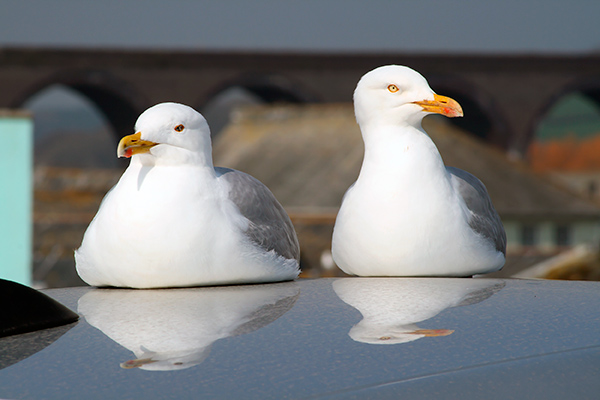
(270, 226)
(484, 218)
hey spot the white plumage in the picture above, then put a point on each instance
(407, 214)
(175, 220)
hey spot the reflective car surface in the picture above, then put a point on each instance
(323, 338)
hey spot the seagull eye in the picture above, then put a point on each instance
(179, 128)
(393, 88)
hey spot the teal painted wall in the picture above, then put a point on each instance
(16, 195)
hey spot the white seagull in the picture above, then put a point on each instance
(408, 214)
(174, 220)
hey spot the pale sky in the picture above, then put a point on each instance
(471, 26)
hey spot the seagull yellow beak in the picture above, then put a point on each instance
(442, 105)
(133, 144)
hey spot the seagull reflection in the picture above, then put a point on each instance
(172, 329)
(392, 307)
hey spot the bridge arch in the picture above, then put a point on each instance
(116, 99)
(483, 116)
(269, 87)
(589, 87)
(220, 100)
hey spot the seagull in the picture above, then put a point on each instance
(408, 214)
(174, 220)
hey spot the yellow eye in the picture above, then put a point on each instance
(179, 128)
(393, 88)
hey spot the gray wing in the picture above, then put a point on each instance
(484, 219)
(270, 226)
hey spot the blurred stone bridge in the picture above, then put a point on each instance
(504, 97)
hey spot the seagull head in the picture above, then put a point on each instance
(398, 95)
(170, 133)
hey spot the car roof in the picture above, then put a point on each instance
(317, 338)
